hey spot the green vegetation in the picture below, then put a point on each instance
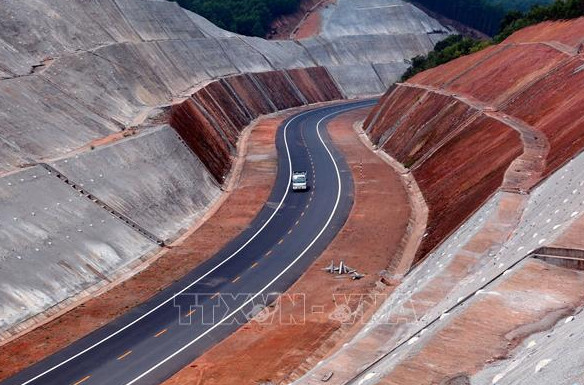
(518, 5)
(449, 49)
(483, 15)
(559, 10)
(246, 17)
(456, 46)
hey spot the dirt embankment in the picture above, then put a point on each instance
(288, 350)
(211, 120)
(503, 118)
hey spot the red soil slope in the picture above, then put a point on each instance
(211, 120)
(464, 129)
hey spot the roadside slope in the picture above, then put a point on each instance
(493, 141)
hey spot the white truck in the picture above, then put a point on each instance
(299, 180)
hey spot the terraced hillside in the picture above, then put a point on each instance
(494, 142)
(119, 120)
(519, 99)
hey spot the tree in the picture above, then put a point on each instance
(247, 17)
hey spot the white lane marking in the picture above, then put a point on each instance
(197, 280)
(282, 272)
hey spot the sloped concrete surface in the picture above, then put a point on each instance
(354, 18)
(119, 57)
(55, 243)
(153, 178)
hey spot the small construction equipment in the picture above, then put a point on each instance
(343, 269)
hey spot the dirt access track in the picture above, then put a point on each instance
(368, 242)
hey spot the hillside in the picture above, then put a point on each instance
(510, 88)
(483, 15)
(494, 141)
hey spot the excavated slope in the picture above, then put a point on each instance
(501, 119)
(211, 120)
(499, 299)
(119, 120)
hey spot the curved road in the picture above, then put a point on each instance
(158, 338)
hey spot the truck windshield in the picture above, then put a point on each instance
(299, 178)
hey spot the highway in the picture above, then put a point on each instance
(155, 340)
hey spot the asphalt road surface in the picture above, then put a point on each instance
(158, 338)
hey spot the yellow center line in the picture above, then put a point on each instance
(126, 354)
(82, 380)
(254, 265)
(235, 280)
(190, 313)
(268, 253)
(160, 333)
(280, 241)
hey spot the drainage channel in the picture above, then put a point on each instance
(127, 221)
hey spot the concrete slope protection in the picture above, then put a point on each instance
(98, 65)
(158, 338)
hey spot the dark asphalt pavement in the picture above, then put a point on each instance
(158, 338)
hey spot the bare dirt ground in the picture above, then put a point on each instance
(302, 24)
(370, 240)
(237, 211)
